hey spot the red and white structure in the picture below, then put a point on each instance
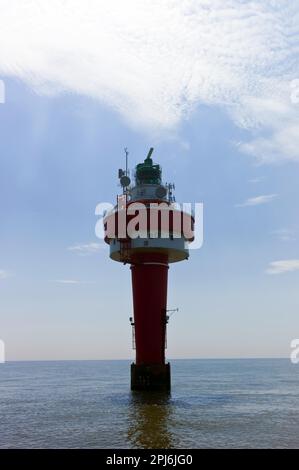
(149, 232)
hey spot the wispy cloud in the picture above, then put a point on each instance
(87, 248)
(285, 234)
(71, 281)
(4, 274)
(67, 281)
(257, 200)
(154, 62)
(283, 266)
(258, 179)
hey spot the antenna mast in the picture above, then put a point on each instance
(127, 154)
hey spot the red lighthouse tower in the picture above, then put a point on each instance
(147, 230)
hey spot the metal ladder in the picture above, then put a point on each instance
(125, 247)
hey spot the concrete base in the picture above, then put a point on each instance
(150, 377)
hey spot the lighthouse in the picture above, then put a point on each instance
(148, 231)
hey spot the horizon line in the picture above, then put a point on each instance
(172, 359)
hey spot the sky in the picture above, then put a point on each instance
(213, 86)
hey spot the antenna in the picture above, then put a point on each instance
(123, 175)
(150, 153)
(170, 187)
(127, 154)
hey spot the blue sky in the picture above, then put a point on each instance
(231, 147)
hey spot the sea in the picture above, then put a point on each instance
(237, 403)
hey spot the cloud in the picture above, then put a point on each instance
(4, 274)
(87, 248)
(283, 266)
(285, 234)
(258, 179)
(67, 281)
(72, 281)
(258, 200)
(154, 62)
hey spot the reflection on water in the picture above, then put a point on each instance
(150, 417)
